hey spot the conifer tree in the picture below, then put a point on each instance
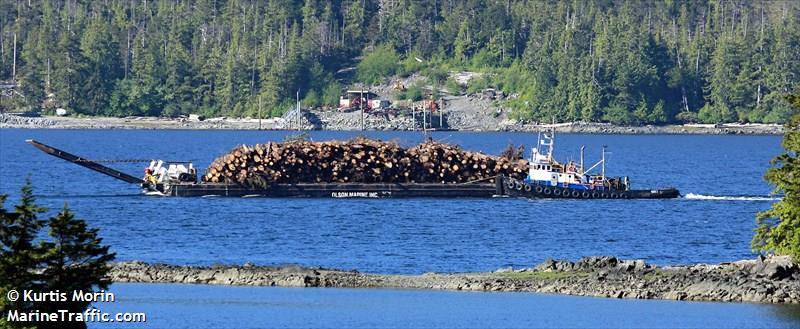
(20, 257)
(74, 259)
(778, 228)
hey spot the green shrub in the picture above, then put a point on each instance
(452, 86)
(618, 115)
(378, 64)
(413, 93)
(284, 106)
(687, 117)
(330, 96)
(476, 85)
(311, 99)
(410, 65)
(436, 76)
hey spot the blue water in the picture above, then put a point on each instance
(198, 306)
(722, 176)
(414, 235)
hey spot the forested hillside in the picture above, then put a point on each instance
(628, 62)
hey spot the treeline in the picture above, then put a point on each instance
(629, 62)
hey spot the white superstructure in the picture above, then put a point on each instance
(545, 170)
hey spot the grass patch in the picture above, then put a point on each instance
(657, 274)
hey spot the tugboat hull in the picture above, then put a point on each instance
(518, 188)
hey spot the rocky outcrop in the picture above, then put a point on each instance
(32, 122)
(763, 280)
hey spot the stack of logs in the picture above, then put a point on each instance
(358, 161)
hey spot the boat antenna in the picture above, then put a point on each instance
(604, 162)
(552, 141)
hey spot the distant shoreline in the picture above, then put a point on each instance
(773, 280)
(54, 122)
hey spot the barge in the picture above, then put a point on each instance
(180, 179)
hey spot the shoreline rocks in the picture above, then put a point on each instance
(351, 121)
(763, 280)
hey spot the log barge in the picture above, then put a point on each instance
(181, 182)
(180, 179)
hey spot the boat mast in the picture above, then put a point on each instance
(550, 147)
(583, 147)
(604, 163)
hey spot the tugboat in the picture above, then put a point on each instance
(548, 178)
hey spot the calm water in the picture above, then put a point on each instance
(408, 236)
(722, 175)
(197, 306)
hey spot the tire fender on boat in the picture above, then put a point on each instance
(556, 192)
(538, 189)
(614, 196)
(575, 194)
(518, 186)
(595, 195)
(510, 184)
(528, 187)
(585, 195)
(547, 191)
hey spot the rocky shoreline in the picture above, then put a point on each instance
(764, 280)
(336, 121)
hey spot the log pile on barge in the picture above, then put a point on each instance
(359, 160)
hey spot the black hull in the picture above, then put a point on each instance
(504, 186)
(517, 188)
(337, 190)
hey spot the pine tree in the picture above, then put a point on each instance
(67, 69)
(778, 229)
(20, 257)
(75, 260)
(462, 43)
(102, 67)
(32, 79)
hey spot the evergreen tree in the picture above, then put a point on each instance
(778, 229)
(102, 67)
(67, 69)
(32, 80)
(20, 257)
(75, 260)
